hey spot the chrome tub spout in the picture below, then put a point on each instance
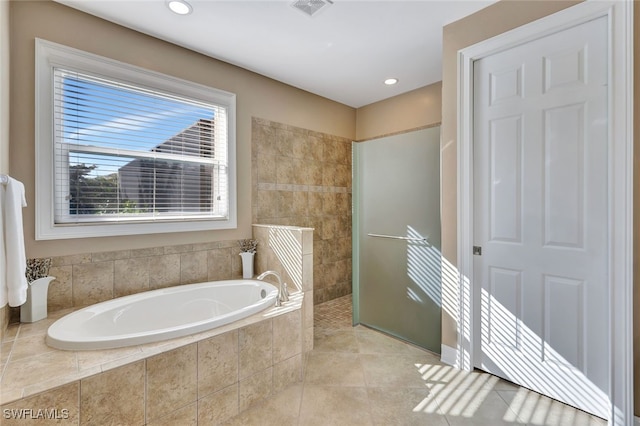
(283, 293)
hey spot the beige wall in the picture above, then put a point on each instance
(412, 110)
(4, 86)
(256, 96)
(4, 114)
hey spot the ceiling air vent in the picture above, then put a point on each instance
(311, 7)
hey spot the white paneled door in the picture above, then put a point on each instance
(541, 215)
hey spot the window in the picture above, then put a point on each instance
(121, 150)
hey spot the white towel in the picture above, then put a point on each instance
(14, 286)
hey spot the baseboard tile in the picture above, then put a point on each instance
(449, 355)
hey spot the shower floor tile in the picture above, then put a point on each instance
(333, 315)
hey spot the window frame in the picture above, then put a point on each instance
(51, 55)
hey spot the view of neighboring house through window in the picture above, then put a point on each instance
(124, 152)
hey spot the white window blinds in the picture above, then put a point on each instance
(124, 152)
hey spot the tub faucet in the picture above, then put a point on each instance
(283, 294)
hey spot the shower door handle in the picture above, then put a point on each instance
(396, 237)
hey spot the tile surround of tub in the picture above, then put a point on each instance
(64, 399)
(228, 369)
(114, 397)
(172, 381)
(303, 178)
(218, 407)
(86, 279)
(289, 250)
(199, 379)
(255, 343)
(217, 363)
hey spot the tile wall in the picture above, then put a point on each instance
(204, 382)
(303, 178)
(90, 278)
(83, 280)
(289, 251)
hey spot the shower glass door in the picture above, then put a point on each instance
(396, 236)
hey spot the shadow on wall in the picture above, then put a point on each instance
(288, 250)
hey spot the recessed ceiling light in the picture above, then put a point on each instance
(390, 81)
(180, 7)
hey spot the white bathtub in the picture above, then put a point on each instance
(161, 314)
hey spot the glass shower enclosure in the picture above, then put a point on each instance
(396, 236)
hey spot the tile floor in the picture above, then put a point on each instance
(357, 376)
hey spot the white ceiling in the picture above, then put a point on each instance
(344, 52)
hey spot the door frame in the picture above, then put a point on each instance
(620, 189)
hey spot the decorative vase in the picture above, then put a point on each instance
(247, 264)
(35, 308)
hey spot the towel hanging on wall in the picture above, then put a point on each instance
(13, 260)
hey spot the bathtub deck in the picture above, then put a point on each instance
(28, 366)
